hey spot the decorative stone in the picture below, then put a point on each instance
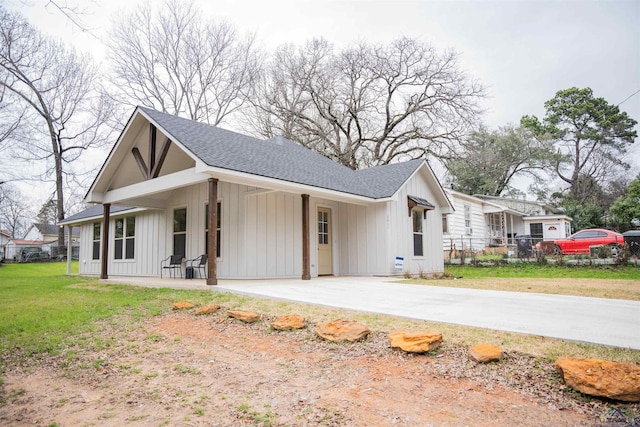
(245, 316)
(288, 322)
(181, 305)
(339, 330)
(484, 353)
(415, 342)
(602, 378)
(207, 309)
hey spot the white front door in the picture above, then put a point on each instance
(324, 241)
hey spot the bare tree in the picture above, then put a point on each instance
(14, 210)
(54, 88)
(176, 61)
(489, 160)
(367, 104)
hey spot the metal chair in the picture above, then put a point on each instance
(199, 263)
(172, 263)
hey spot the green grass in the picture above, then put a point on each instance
(44, 311)
(549, 271)
(41, 308)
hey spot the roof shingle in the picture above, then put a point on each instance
(280, 159)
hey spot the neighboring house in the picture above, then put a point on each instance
(481, 221)
(541, 222)
(478, 223)
(49, 233)
(278, 210)
(47, 236)
(5, 236)
(42, 232)
(14, 246)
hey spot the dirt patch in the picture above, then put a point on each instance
(181, 369)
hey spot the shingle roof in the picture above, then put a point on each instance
(280, 159)
(95, 211)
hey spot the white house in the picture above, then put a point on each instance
(278, 209)
(49, 233)
(481, 221)
(478, 223)
(541, 222)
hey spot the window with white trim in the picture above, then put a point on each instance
(416, 216)
(96, 241)
(467, 220)
(180, 232)
(218, 229)
(125, 238)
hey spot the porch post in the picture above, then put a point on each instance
(69, 250)
(106, 212)
(513, 234)
(212, 241)
(306, 260)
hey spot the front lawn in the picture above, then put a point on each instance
(41, 307)
(547, 271)
(586, 281)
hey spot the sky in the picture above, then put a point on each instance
(522, 51)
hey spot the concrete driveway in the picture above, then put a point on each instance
(594, 320)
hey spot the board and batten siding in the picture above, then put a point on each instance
(149, 249)
(401, 230)
(360, 239)
(261, 233)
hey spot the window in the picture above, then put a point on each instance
(445, 224)
(180, 232)
(467, 220)
(96, 240)
(323, 227)
(417, 232)
(218, 228)
(536, 231)
(125, 237)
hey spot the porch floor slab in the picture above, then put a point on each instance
(594, 320)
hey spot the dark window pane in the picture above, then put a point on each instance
(417, 222)
(96, 250)
(180, 244)
(131, 226)
(536, 230)
(218, 243)
(130, 248)
(206, 217)
(417, 244)
(119, 228)
(180, 220)
(96, 231)
(219, 214)
(118, 249)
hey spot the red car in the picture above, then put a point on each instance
(579, 243)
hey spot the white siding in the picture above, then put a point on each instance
(261, 234)
(458, 234)
(401, 230)
(360, 239)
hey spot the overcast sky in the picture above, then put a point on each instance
(522, 51)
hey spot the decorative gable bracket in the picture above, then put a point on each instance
(417, 202)
(153, 170)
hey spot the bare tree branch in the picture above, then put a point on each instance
(176, 61)
(367, 104)
(55, 91)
